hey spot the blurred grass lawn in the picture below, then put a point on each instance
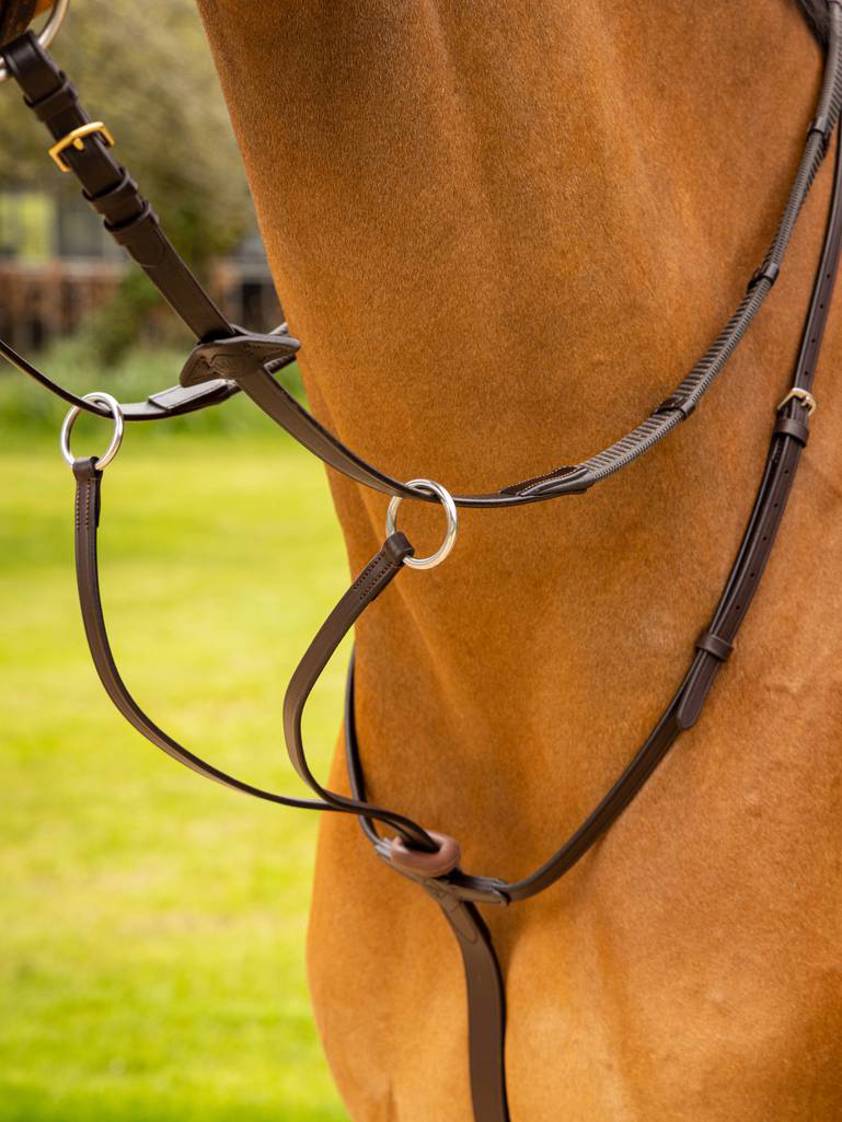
(152, 926)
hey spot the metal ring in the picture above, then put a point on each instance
(427, 487)
(48, 31)
(116, 440)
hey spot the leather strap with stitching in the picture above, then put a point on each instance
(375, 578)
(712, 651)
(130, 219)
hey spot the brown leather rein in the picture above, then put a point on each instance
(227, 359)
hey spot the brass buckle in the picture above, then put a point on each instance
(804, 396)
(75, 139)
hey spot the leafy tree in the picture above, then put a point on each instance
(146, 70)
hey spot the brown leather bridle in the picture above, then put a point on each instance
(227, 359)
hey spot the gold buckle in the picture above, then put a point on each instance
(75, 139)
(804, 396)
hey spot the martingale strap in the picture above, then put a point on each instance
(417, 851)
(227, 359)
(713, 648)
(375, 578)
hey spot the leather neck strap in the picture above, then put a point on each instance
(227, 359)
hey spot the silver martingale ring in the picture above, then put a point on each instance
(48, 31)
(428, 487)
(113, 405)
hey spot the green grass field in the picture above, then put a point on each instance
(152, 926)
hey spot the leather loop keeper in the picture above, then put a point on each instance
(399, 547)
(143, 238)
(418, 863)
(770, 271)
(677, 403)
(59, 101)
(822, 127)
(715, 645)
(794, 427)
(124, 232)
(119, 205)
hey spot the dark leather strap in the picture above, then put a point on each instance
(132, 222)
(713, 650)
(88, 503)
(484, 986)
(129, 218)
(166, 403)
(374, 579)
(109, 188)
(486, 997)
(455, 891)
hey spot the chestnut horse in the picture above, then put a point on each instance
(505, 231)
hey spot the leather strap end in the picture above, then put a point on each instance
(569, 479)
(86, 470)
(398, 547)
(88, 492)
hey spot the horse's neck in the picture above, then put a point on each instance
(504, 232)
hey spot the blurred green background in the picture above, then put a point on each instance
(153, 924)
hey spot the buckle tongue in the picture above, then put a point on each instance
(75, 139)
